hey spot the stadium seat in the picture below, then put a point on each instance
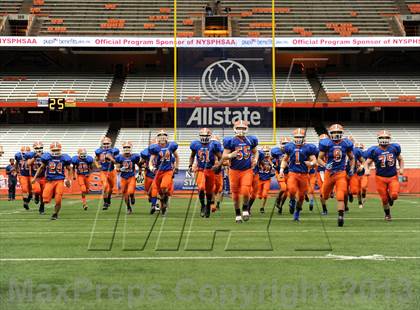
(71, 137)
(82, 87)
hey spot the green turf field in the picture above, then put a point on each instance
(108, 260)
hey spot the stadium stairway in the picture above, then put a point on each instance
(115, 89)
(26, 7)
(113, 132)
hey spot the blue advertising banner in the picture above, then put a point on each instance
(224, 116)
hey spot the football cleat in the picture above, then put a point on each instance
(203, 211)
(340, 221)
(41, 209)
(163, 211)
(262, 211)
(311, 207)
(54, 216)
(105, 206)
(388, 218)
(245, 215)
(36, 199)
(129, 210)
(85, 207)
(292, 206)
(207, 213)
(26, 205)
(350, 197)
(238, 219)
(360, 205)
(324, 212)
(153, 209)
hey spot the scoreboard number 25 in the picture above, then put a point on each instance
(56, 104)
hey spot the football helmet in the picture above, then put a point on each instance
(127, 147)
(82, 153)
(240, 128)
(205, 135)
(266, 150)
(323, 136)
(284, 140)
(215, 138)
(299, 136)
(55, 149)
(106, 143)
(38, 147)
(384, 137)
(162, 137)
(360, 145)
(336, 132)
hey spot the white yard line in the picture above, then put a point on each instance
(374, 257)
(212, 231)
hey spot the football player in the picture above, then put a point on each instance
(164, 162)
(105, 160)
(265, 173)
(242, 152)
(277, 154)
(255, 181)
(364, 178)
(82, 168)
(56, 165)
(299, 157)
(218, 185)
(385, 157)
(206, 154)
(320, 177)
(355, 180)
(24, 174)
(38, 187)
(126, 166)
(332, 155)
(148, 175)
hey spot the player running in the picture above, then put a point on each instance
(38, 187)
(364, 178)
(218, 184)
(105, 160)
(385, 156)
(82, 168)
(126, 166)
(242, 152)
(277, 154)
(265, 172)
(149, 176)
(205, 153)
(332, 156)
(24, 174)
(255, 181)
(164, 162)
(299, 157)
(355, 180)
(56, 165)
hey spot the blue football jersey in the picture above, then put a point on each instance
(265, 168)
(205, 153)
(336, 153)
(298, 155)
(81, 166)
(145, 155)
(55, 166)
(106, 164)
(22, 160)
(244, 146)
(128, 165)
(277, 155)
(385, 159)
(165, 155)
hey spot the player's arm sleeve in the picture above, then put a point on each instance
(323, 145)
(227, 144)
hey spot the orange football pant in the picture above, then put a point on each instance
(240, 182)
(83, 181)
(218, 185)
(108, 179)
(53, 189)
(282, 182)
(355, 184)
(163, 182)
(311, 183)
(39, 185)
(385, 185)
(25, 184)
(128, 186)
(339, 180)
(263, 188)
(206, 179)
(255, 187)
(297, 183)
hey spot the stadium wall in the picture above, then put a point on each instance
(185, 182)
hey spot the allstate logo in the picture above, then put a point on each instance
(225, 80)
